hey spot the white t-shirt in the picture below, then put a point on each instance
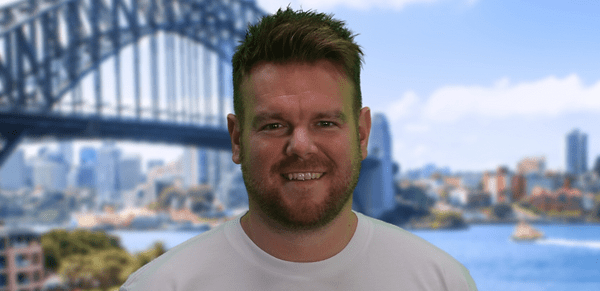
(380, 256)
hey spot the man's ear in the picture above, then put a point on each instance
(233, 125)
(364, 129)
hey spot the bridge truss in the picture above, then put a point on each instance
(154, 70)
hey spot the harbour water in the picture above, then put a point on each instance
(567, 259)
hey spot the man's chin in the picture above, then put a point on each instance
(309, 216)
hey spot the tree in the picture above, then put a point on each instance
(59, 244)
(103, 269)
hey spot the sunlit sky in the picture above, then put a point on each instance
(470, 84)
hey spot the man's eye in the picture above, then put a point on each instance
(272, 126)
(326, 123)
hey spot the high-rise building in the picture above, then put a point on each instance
(65, 149)
(50, 174)
(190, 167)
(86, 172)
(129, 173)
(87, 155)
(12, 173)
(86, 176)
(374, 193)
(107, 175)
(576, 152)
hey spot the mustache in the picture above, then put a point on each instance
(294, 163)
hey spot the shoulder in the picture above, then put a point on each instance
(408, 253)
(397, 240)
(174, 266)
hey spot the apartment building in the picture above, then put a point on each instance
(21, 260)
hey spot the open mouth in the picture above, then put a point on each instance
(303, 176)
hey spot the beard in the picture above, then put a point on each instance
(307, 214)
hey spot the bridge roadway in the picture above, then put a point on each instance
(90, 127)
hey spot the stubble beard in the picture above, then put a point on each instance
(308, 215)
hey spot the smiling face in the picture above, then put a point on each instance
(300, 147)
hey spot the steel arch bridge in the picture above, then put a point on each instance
(155, 70)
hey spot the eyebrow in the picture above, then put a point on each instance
(337, 115)
(262, 117)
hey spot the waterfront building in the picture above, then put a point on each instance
(21, 260)
(576, 155)
(517, 186)
(374, 193)
(130, 172)
(531, 164)
(458, 197)
(12, 173)
(534, 180)
(497, 185)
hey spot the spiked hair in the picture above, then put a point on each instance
(297, 36)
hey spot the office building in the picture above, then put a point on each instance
(374, 193)
(88, 156)
(50, 174)
(21, 260)
(12, 173)
(576, 155)
(130, 172)
(107, 175)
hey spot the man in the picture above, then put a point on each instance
(300, 135)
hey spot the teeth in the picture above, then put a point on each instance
(304, 176)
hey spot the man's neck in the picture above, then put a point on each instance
(305, 246)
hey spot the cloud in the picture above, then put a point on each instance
(550, 96)
(416, 128)
(272, 5)
(404, 107)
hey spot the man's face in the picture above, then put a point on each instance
(300, 147)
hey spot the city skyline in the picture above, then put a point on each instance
(467, 84)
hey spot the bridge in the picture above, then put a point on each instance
(147, 70)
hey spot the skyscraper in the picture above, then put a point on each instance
(576, 156)
(130, 172)
(107, 175)
(374, 193)
(12, 173)
(86, 175)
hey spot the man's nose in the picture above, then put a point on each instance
(301, 144)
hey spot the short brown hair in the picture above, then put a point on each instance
(297, 36)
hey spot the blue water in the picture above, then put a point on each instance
(568, 259)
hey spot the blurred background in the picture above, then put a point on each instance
(114, 148)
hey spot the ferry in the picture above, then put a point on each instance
(525, 232)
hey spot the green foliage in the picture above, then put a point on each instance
(102, 269)
(147, 256)
(59, 244)
(445, 219)
(92, 260)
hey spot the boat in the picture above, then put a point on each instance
(525, 232)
